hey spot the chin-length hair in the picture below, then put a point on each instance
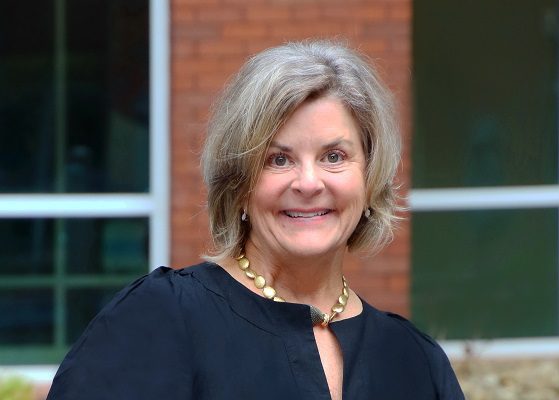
(255, 104)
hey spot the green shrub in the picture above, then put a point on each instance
(15, 388)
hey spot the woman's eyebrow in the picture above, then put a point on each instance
(280, 147)
(338, 142)
(326, 146)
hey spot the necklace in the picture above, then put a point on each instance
(317, 316)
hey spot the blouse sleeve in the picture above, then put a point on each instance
(443, 376)
(134, 348)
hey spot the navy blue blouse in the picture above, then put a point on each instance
(197, 333)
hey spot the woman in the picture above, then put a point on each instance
(299, 164)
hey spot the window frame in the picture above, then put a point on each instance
(491, 198)
(154, 205)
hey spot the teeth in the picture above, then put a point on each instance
(296, 214)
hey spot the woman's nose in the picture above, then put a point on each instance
(308, 180)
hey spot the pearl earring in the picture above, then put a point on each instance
(367, 213)
(244, 217)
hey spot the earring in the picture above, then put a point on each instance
(244, 217)
(367, 213)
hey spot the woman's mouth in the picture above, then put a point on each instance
(306, 214)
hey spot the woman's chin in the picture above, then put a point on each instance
(310, 248)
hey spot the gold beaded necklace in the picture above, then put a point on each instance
(317, 316)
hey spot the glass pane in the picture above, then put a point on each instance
(485, 107)
(484, 274)
(97, 246)
(82, 306)
(26, 103)
(77, 114)
(26, 246)
(107, 246)
(27, 316)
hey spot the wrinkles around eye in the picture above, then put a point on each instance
(331, 160)
(339, 157)
(279, 160)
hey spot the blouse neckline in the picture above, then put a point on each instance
(269, 315)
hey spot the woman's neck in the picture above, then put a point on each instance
(315, 280)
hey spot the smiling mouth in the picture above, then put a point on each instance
(300, 214)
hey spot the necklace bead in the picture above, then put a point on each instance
(243, 263)
(269, 292)
(259, 281)
(250, 273)
(317, 316)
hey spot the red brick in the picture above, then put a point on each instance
(193, 3)
(218, 14)
(400, 45)
(182, 83)
(182, 15)
(211, 81)
(199, 65)
(384, 29)
(196, 30)
(308, 12)
(182, 48)
(400, 12)
(268, 13)
(355, 13)
(373, 48)
(304, 31)
(398, 283)
(221, 48)
(245, 3)
(243, 30)
(254, 47)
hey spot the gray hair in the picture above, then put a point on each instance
(257, 102)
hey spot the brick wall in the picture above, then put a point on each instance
(210, 41)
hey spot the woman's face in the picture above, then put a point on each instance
(311, 193)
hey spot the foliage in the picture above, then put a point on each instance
(15, 388)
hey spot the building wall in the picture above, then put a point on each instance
(210, 40)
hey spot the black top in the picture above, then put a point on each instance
(197, 333)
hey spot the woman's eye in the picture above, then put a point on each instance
(333, 157)
(279, 160)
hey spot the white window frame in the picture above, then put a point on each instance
(484, 198)
(491, 198)
(154, 205)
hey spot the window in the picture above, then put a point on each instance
(81, 213)
(485, 197)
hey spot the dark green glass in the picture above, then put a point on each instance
(99, 247)
(485, 274)
(485, 93)
(27, 95)
(26, 247)
(116, 246)
(26, 316)
(57, 274)
(74, 109)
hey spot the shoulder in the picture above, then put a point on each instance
(403, 334)
(154, 290)
(407, 328)
(142, 331)
(163, 285)
(149, 301)
(166, 301)
(398, 328)
(154, 305)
